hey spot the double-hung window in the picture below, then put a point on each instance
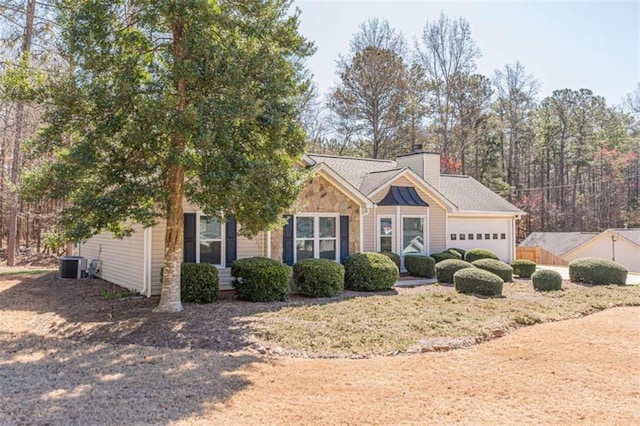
(316, 237)
(385, 234)
(210, 247)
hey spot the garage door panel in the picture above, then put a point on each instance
(468, 234)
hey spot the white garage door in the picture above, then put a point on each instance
(492, 234)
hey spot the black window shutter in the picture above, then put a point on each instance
(344, 238)
(190, 237)
(287, 242)
(231, 241)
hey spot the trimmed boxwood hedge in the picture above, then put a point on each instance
(369, 272)
(459, 250)
(596, 270)
(259, 279)
(420, 265)
(439, 257)
(478, 253)
(393, 256)
(456, 253)
(199, 283)
(477, 281)
(318, 277)
(446, 269)
(523, 268)
(496, 267)
(546, 280)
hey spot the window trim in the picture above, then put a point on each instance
(316, 234)
(223, 240)
(424, 231)
(393, 232)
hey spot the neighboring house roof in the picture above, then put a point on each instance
(463, 192)
(632, 234)
(558, 243)
(470, 195)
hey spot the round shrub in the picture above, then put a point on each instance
(199, 283)
(446, 269)
(259, 279)
(420, 265)
(439, 257)
(456, 253)
(393, 256)
(318, 277)
(496, 267)
(475, 254)
(477, 281)
(459, 250)
(523, 268)
(596, 270)
(369, 272)
(546, 280)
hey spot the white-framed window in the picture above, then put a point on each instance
(413, 234)
(316, 236)
(386, 233)
(210, 244)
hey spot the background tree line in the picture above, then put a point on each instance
(570, 160)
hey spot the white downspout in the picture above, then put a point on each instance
(146, 275)
(362, 215)
(428, 227)
(269, 244)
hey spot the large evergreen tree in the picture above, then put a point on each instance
(170, 99)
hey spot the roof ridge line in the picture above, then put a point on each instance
(379, 160)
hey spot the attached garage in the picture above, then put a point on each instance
(492, 233)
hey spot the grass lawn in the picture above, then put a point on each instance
(383, 324)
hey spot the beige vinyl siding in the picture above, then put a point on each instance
(432, 170)
(246, 248)
(122, 260)
(414, 162)
(626, 253)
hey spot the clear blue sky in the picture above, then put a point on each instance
(564, 44)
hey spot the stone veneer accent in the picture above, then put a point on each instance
(321, 196)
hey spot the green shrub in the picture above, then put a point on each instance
(259, 279)
(475, 254)
(446, 269)
(199, 283)
(459, 250)
(546, 280)
(595, 270)
(496, 267)
(523, 268)
(456, 253)
(393, 256)
(439, 257)
(420, 265)
(477, 281)
(369, 272)
(318, 277)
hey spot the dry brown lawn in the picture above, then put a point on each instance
(68, 356)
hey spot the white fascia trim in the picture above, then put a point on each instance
(419, 182)
(308, 161)
(349, 190)
(480, 214)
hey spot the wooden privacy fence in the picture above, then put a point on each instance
(540, 256)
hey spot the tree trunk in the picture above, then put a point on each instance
(12, 243)
(174, 237)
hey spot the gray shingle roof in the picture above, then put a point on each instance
(557, 243)
(632, 234)
(470, 195)
(463, 191)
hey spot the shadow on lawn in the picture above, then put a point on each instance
(77, 309)
(45, 380)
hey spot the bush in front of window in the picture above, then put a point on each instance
(420, 265)
(478, 253)
(259, 279)
(446, 269)
(496, 267)
(439, 257)
(393, 256)
(318, 277)
(199, 283)
(369, 272)
(523, 268)
(477, 281)
(595, 270)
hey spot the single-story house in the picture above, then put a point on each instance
(620, 245)
(351, 205)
